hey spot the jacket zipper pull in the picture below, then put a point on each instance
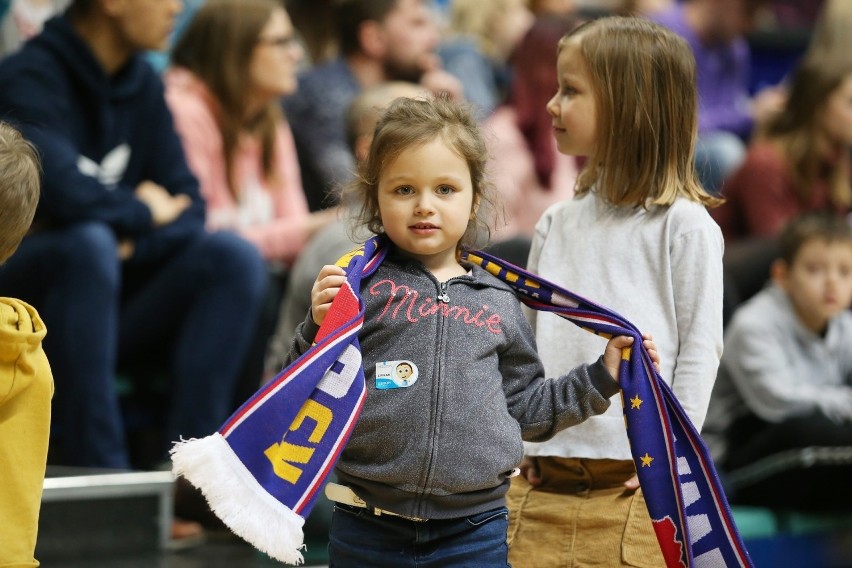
(442, 297)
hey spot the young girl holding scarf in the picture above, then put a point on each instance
(427, 466)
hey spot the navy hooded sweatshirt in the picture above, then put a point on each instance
(99, 136)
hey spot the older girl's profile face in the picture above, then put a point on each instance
(572, 109)
(276, 58)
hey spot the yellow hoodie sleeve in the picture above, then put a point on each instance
(26, 387)
(22, 359)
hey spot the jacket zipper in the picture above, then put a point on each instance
(435, 421)
(443, 297)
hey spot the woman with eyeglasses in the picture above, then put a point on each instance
(229, 69)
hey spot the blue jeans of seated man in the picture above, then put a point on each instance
(200, 304)
(717, 155)
(358, 538)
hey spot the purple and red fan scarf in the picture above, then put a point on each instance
(263, 470)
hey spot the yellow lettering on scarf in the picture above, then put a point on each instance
(282, 456)
(344, 260)
(319, 414)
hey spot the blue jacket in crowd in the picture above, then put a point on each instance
(99, 136)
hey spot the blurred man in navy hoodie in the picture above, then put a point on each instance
(118, 261)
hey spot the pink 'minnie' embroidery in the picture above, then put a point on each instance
(408, 302)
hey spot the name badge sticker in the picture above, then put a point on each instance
(395, 374)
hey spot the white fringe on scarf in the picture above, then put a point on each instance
(238, 499)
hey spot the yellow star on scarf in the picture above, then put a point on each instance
(636, 402)
(646, 460)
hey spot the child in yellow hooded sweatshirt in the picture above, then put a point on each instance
(26, 383)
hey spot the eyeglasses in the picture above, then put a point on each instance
(281, 42)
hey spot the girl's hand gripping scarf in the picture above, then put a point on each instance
(262, 471)
(689, 510)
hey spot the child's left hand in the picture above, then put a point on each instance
(612, 353)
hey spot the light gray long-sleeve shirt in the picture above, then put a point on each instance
(661, 269)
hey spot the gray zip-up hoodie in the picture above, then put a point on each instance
(443, 446)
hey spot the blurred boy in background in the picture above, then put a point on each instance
(781, 409)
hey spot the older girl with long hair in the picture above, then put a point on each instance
(636, 237)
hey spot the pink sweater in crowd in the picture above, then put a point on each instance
(272, 214)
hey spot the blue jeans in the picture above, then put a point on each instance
(196, 310)
(717, 155)
(358, 539)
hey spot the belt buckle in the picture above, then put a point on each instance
(343, 494)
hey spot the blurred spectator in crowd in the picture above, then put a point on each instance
(780, 417)
(715, 29)
(800, 164)
(481, 38)
(230, 67)
(379, 40)
(828, 39)
(118, 261)
(529, 172)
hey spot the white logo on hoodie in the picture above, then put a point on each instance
(111, 169)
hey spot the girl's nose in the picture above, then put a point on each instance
(424, 205)
(552, 107)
